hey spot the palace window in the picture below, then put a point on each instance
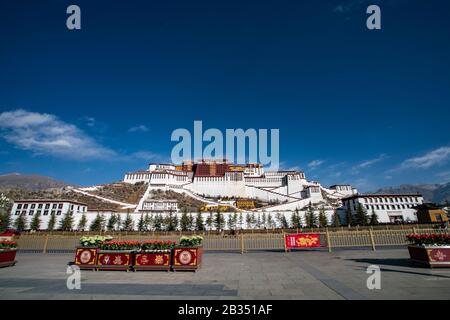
(45, 212)
(19, 206)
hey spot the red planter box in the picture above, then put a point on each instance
(114, 260)
(152, 261)
(86, 257)
(7, 258)
(435, 256)
(187, 258)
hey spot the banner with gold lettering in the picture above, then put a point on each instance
(302, 240)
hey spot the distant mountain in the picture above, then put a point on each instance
(437, 193)
(29, 182)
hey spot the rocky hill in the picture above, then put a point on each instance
(29, 182)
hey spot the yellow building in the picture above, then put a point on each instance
(245, 204)
(427, 213)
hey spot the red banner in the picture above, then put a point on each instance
(302, 240)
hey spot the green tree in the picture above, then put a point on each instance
(310, 217)
(128, 224)
(264, 220)
(323, 220)
(158, 222)
(36, 222)
(270, 221)
(248, 220)
(119, 222)
(241, 220)
(96, 224)
(5, 212)
(141, 223)
(296, 219)
(191, 222)
(373, 218)
(51, 222)
(82, 223)
(199, 224)
(112, 221)
(184, 221)
(66, 223)
(148, 221)
(361, 217)
(284, 222)
(21, 222)
(336, 219)
(348, 217)
(209, 220)
(219, 221)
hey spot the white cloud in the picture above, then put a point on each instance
(432, 158)
(367, 164)
(43, 133)
(315, 163)
(140, 128)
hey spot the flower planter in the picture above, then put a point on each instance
(7, 257)
(114, 259)
(187, 258)
(86, 257)
(432, 256)
(152, 260)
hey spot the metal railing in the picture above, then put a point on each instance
(242, 242)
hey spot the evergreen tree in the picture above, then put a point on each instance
(118, 222)
(296, 219)
(270, 221)
(82, 223)
(348, 217)
(219, 221)
(234, 221)
(199, 224)
(141, 223)
(284, 222)
(51, 222)
(36, 222)
(21, 222)
(191, 222)
(248, 220)
(112, 221)
(361, 217)
(128, 224)
(310, 217)
(373, 218)
(230, 222)
(147, 222)
(264, 220)
(158, 222)
(184, 221)
(96, 224)
(241, 220)
(5, 212)
(336, 219)
(258, 221)
(66, 223)
(209, 220)
(323, 220)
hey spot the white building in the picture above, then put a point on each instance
(388, 207)
(152, 205)
(46, 207)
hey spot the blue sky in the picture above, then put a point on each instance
(369, 108)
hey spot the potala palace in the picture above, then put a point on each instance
(213, 179)
(219, 184)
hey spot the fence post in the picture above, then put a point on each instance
(44, 250)
(242, 243)
(328, 240)
(372, 240)
(284, 242)
(414, 230)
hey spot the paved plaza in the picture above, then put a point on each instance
(255, 275)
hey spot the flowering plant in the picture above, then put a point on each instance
(9, 233)
(429, 239)
(94, 241)
(120, 245)
(6, 244)
(191, 241)
(157, 245)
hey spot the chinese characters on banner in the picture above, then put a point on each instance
(302, 240)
